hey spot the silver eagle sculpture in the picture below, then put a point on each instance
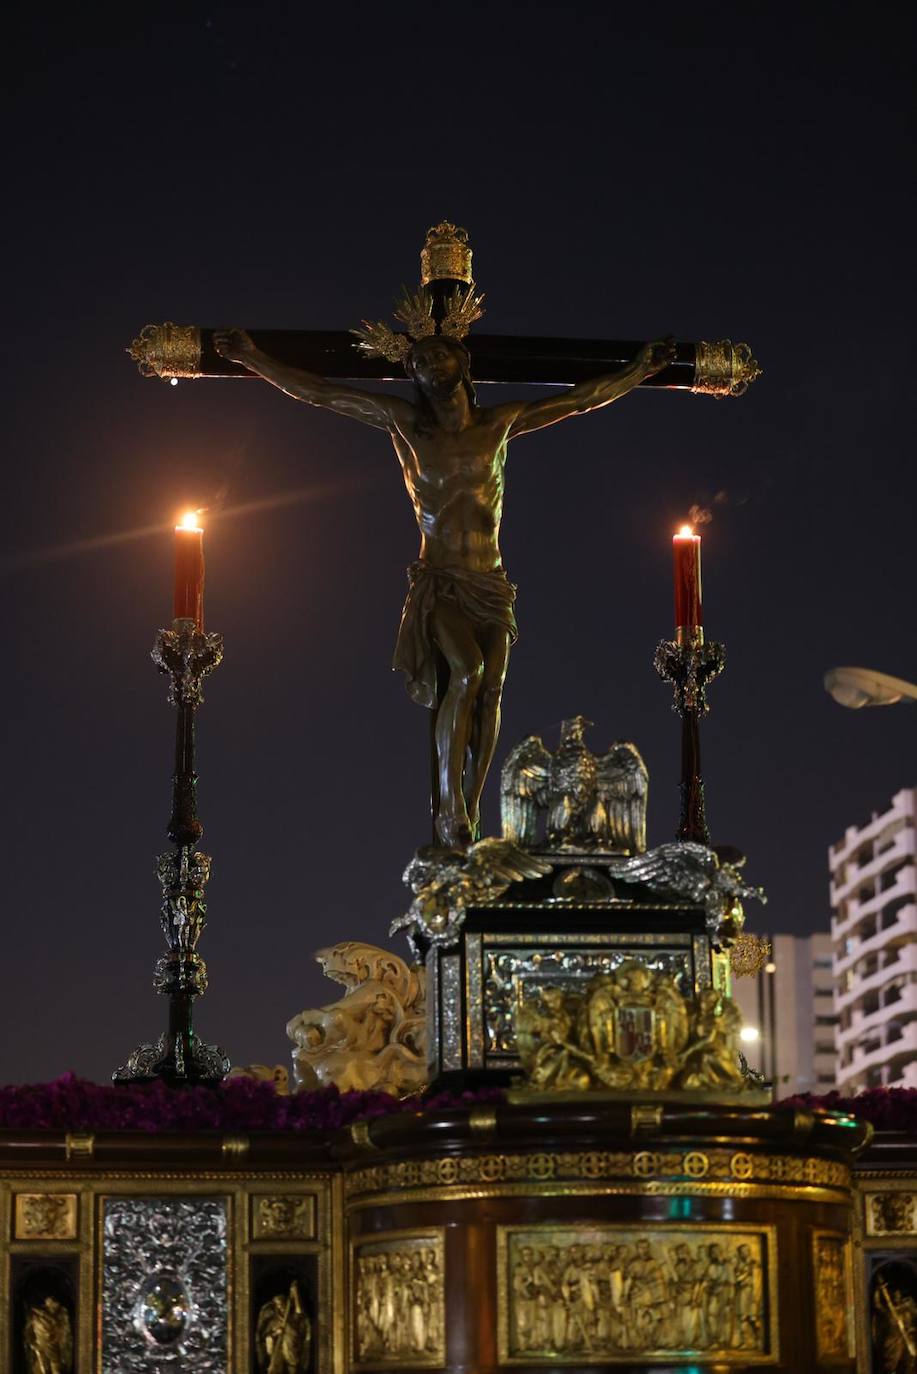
(694, 872)
(583, 801)
(445, 883)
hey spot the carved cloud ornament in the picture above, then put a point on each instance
(373, 1037)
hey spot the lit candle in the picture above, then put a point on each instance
(689, 613)
(189, 570)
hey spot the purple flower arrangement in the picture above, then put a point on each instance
(240, 1104)
(246, 1104)
(887, 1109)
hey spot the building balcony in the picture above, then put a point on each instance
(902, 846)
(905, 963)
(876, 1022)
(902, 807)
(905, 1045)
(901, 928)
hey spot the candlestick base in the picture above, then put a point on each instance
(176, 1060)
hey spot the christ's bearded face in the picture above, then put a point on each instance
(438, 366)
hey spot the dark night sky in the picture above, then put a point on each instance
(733, 171)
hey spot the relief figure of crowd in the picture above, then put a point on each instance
(399, 1299)
(613, 1298)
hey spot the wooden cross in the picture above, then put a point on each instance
(446, 303)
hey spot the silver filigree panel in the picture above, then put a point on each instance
(164, 1278)
(512, 975)
(450, 993)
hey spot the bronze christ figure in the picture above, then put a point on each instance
(459, 607)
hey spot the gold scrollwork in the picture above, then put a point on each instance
(397, 1282)
(46, 1216)
(720, 1165)
(167, 350)
(599, 1295)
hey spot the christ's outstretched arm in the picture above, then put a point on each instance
(599, 391)
(384, 412)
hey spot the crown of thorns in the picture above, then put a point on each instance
(415, 311)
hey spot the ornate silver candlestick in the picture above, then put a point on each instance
(689, 663)
(186, 655)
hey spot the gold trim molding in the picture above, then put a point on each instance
(716, 1165)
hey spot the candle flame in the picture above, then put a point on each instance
(685, 532)
(189, 521)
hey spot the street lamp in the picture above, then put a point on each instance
(856, 687)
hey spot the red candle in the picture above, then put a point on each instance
(189, 570)
(689, 614)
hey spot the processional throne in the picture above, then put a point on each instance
(595, 1181)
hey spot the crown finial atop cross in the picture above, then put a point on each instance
(445, 256)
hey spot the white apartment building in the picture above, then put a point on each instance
(788, 1015)
(874, 933)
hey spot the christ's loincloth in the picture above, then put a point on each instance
(484, 598)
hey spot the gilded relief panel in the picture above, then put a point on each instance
(637, 1294)
(45, 1216)
(512, 976)
(890, 1213)
(833, 1281)
(283, 1216)
(397, 1286)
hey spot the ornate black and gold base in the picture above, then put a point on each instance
(885, 1243)
(581, 1236)
(562, 929)
(596, 1236)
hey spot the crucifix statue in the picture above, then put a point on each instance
(458, 623)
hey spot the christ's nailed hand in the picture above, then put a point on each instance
(233, 344)
(655, 356)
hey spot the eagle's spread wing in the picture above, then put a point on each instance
(523, 788)
(497, 863)
(621, 786)
(682, 868)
